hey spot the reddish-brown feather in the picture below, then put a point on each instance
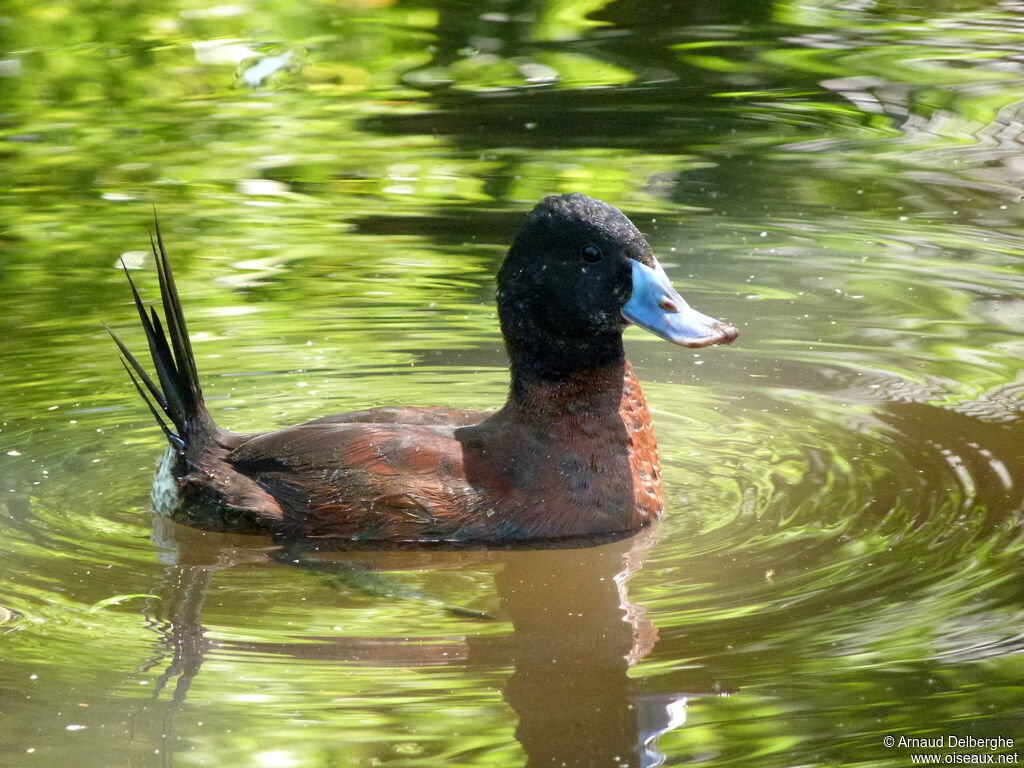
(515, 474)
(578, 459)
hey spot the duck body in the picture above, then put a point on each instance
(402, 474)
(571, 455)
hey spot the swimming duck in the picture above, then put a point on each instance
(571, 453)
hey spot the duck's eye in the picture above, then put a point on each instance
(591, 253)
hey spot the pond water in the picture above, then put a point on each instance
(840, 559)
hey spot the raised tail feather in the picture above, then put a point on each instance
(177, 401)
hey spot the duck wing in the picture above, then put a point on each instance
(363, 480)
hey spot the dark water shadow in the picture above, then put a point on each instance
(575, 635)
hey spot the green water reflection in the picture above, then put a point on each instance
(840, 559)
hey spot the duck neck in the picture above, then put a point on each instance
(576, 377)
(574, 382)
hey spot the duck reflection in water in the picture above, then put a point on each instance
(574, 634)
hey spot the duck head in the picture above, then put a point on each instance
(577, 275)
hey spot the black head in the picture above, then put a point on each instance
(565, 280)
(577, 274)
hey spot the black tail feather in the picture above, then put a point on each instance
(172, 438)
(178, 396)
(162, 361)
(166, 368)
(176, 320)
(154, 390)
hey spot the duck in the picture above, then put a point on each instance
(571, 455)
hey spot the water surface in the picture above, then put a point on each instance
(841, 553)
